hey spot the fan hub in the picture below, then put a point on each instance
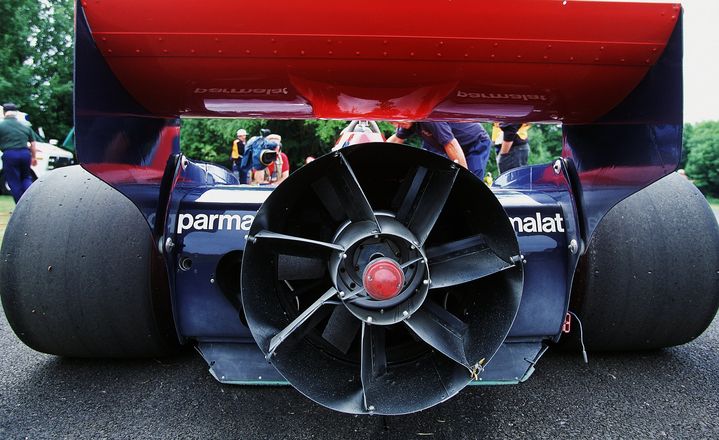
(383, 279)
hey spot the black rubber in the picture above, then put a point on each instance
(650, 277)
(80, 275)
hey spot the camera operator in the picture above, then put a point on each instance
(279, 169)
(259, 153)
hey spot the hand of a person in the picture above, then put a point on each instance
(506, 146)
(33, 162)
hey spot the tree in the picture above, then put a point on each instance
(703, 160)
(36, 61)
(546, 143)
(15, 51)
(687, 134)
(210, 139)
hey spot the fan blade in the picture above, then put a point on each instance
(280, 337)
(291, 240)
(463, 261)
(373, 363)
(426, 193)
(342, 196)
(293, 267)
(341, 329)
(442, 330)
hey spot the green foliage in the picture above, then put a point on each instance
(702, 167)
(688, 131)
(545, 143)
(211, 139)
(36, 61)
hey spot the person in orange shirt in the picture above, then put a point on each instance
(238, 149)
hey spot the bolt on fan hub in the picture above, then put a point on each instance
(382, 274)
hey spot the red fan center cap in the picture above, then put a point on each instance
(383, 279)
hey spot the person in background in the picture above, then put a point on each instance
(465, 143)
(278, 170)
(238, 149)
(17, 143)
(512, 145)
(488, 179)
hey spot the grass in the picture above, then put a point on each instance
(6, 204)
(714, 202)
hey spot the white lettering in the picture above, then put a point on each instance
(559, 220)
(538, 224)
(181, 223)
(530, 225)
(228, 219)
(201, 222)
(517, 224)
(500, 96)
(211, 222)
(548, 225)
(213, 217)
(247, 222)
(234, 91)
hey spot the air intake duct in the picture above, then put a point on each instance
(381, 278)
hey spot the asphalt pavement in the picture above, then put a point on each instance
(671, 393)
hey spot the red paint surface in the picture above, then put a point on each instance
(383, 279)
(529, 60)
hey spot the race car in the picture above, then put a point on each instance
(372, 286)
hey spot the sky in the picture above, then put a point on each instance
(701, 60)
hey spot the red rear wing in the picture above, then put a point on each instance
(529, 60)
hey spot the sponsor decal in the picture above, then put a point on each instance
(211, 222)
(247, 92)
(235, 222)
(502, 96)
(538, 224)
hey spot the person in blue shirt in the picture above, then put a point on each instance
(466, 143)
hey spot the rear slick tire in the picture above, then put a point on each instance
(650, 277)
(80, 275)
